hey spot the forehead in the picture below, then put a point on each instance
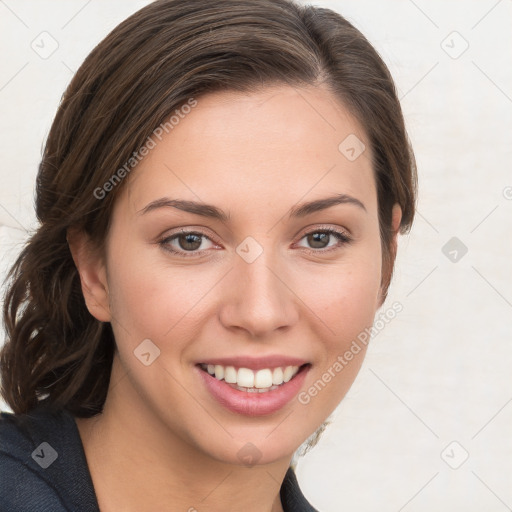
(278, 144)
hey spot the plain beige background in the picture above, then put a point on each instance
(426, 426)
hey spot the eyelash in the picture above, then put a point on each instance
(342, 238)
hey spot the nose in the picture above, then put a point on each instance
(258, 299)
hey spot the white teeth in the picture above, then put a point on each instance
(277, 376)
(219, 371)
(245, 378)
(289, 372)
(252, 381)
(263, 379)
(230, 374)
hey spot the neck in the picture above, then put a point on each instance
(133, 471)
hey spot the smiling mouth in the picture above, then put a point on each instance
(253, 381)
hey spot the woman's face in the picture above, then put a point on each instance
(263, 282)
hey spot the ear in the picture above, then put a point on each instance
(388, 263)
(93, 274)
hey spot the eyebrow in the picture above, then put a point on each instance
(208, 210)
(322, 204)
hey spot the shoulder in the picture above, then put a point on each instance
(19, 432)
(292, 498)
(41, 462)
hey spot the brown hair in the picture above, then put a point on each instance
(146, 68)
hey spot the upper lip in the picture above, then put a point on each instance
(256, 363)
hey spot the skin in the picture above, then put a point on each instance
(162, 442)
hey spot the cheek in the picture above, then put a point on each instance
(345, 300)
(343, 295)
(346, 308)
(156, 300)
(146, 302)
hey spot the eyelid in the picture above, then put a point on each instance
(324, 227)
(164, 241)
(199, 230)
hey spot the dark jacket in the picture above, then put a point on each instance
(43, 467)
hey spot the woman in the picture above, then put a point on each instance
(219, 202)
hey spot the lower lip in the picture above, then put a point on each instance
(253, 404)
